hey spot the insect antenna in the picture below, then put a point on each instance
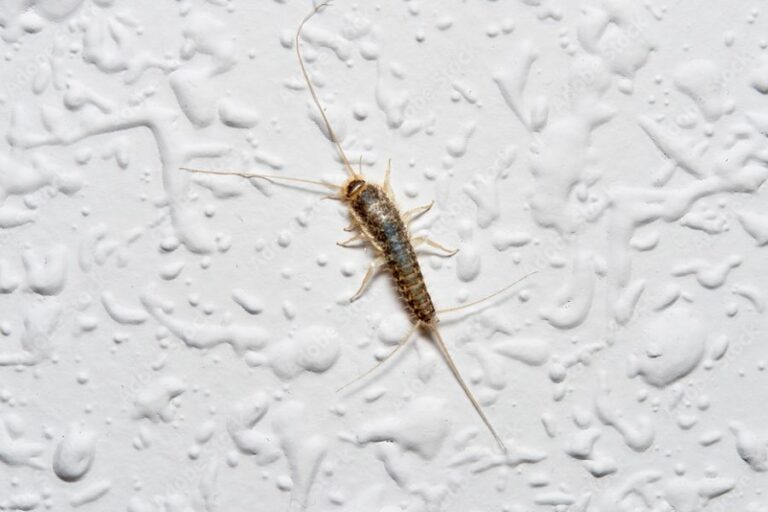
(268, 177)
(312, 91)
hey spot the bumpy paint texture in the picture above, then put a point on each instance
(172, 342)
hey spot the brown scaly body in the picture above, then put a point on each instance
(377, 216)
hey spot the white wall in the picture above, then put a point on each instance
(174, 342)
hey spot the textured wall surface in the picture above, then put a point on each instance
(172, 342)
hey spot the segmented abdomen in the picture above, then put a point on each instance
(379, 219)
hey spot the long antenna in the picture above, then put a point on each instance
(312, 91)
(268, 177)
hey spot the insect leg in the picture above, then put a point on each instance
(387, 183)
(388, 356)
(417, 212)
(349, 243)
(374, 267)
(419, 240)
